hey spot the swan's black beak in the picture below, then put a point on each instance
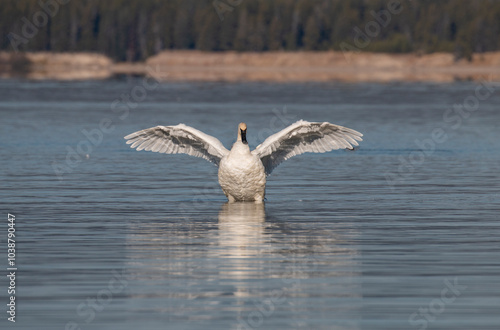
(244, 136)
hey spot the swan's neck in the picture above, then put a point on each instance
(242, 136)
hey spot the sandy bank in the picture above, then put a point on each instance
(270, 66)
(323, 66)
(59, 66)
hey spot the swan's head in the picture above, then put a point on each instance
(242, 133)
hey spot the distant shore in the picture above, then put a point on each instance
(267, 67)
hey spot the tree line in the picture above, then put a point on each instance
(132, 30)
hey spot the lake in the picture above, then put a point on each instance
(402, 233)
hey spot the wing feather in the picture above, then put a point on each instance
(302, 137)
(178, 139)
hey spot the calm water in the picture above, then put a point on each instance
(386, 237)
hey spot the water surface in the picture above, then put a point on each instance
(386, 237)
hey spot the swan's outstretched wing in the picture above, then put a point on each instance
(302, 137)
(179, 139)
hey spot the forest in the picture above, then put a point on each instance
(133, 30)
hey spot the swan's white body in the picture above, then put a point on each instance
(242, 173)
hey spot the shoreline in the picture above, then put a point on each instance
(265, 67)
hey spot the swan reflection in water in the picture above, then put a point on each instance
(241, 227)
(241, 238)
(227, 266)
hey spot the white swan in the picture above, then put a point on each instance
(242, 173)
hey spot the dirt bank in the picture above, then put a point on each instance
(59, 66)
(322, 66)
(271, 66)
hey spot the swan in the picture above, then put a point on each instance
(242, 173)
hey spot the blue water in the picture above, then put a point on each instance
(403, 233)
